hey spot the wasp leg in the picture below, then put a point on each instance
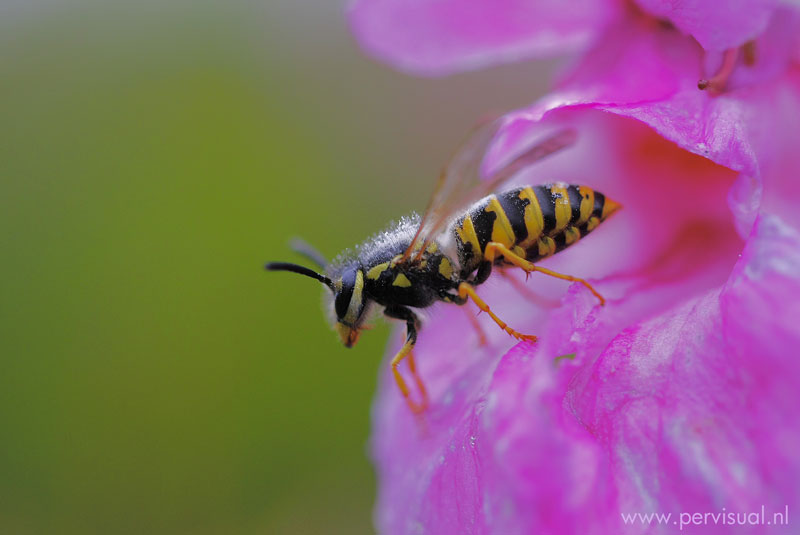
(495, 249)
(412, 365)
(532, 296)
(459, 300)
(447, 297)
(466, 290)
(482, 340)
(402, 313)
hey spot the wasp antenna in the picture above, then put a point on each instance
(302, 270)
(302, 247)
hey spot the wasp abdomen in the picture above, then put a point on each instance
(533, 221)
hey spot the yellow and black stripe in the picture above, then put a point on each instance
(532, 221)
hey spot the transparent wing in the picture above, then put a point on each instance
(460, 183)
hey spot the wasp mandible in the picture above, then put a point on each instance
(465, 231)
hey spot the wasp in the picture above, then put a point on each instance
(469, 227)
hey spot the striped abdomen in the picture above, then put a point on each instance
(533, 221)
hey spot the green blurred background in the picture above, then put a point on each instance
(153, 378)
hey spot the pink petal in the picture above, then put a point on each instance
(716, 25)
(728, 129)
(681, 393)
(679, 396)
(554, 480)
(760, 309)
(697, 406)
(438, 37)
(500, 454)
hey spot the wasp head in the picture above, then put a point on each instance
(349, 304)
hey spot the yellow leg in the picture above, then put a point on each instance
(412, 366)
(404, 352)
(493, 249)
(520, 287)
(482, 341)
(466, 290)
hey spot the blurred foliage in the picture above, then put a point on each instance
(153, 379)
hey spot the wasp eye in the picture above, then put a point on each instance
(345, 295)
(349, 302)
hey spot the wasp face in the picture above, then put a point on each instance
(349, 301)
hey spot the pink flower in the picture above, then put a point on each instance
(440, 37)
(436, 37)
(678, 397)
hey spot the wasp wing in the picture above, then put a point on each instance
(461, 182)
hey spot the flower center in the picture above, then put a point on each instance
(716, 84)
